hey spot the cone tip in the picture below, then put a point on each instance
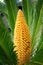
(20, 12)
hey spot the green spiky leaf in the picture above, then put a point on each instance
(6, 46)
(3, 8)
(12, 12)
(27, 9)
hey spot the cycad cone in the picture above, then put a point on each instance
(22, 39)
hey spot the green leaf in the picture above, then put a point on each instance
(36, 15)
(3, 8)
(38, 57)
(3, 58)
(12, 11)
(38, 41)
(6, 45)
(38, 27)
(27, 9)
(31, 63)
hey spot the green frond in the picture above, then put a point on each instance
(6, 46)
(27, 9)
(12, 12)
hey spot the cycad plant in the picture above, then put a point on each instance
(21, 33)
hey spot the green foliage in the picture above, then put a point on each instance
(12, 12)
(7, 55)
(3, 8)
(36, 15)
(27, 9)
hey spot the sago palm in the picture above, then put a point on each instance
(21, 33)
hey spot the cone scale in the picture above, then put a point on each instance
(22, 39)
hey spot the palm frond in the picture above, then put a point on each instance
(3, 8)
(6, 46)
(27, 9)
(36, 15)
(12, 12)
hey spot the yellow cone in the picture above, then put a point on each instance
(22, 39)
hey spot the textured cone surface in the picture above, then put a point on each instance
(22, 39)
